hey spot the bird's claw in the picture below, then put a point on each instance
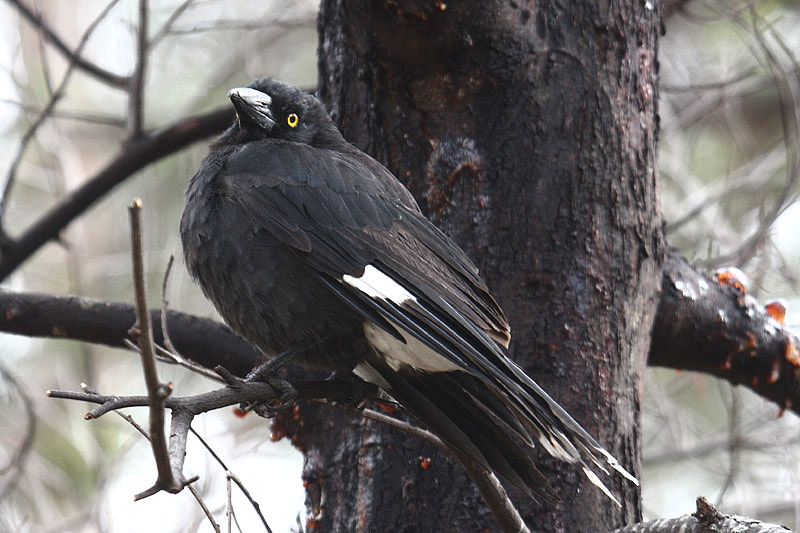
(286, 395)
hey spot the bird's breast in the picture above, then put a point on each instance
(260, 287)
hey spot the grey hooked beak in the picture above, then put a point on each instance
(252, 106)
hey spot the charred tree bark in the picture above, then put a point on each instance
(528, 133)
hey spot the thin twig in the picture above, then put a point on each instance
(491, 489)
(48, 84)
(176, 358)
(56, 96)
(195, 493)
(404, 426)
(201, 27)
(169, 353)
(165, 305)
(135, 157)
(235, 479)
(17, 458)
(70, 115)
(204, 507)
(228, 503)
(173, 358)
(143, 333)
(136, 86)
(72, 55)
(167, 26)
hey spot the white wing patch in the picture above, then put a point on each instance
(370, 375)
(412, 354)
(376, 284)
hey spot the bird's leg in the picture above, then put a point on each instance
(358, 390)
(271, 367)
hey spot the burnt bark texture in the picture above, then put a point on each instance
(717, 329)
(706, 518)
(527, 131)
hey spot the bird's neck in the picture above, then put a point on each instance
(329, 138)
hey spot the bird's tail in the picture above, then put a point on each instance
(559, 434)
(459, 409)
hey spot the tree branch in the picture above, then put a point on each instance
(136, 86)
(136, 156)
(48, 109)
(705, 519)
(202, 340)
(243, 391)
(700, 325)
(704, 326)
(170, 469)
(233, 477)
(489, 486)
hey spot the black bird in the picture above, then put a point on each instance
(308, 246)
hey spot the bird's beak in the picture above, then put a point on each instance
(252, 106)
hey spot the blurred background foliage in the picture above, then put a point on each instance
(728, 165)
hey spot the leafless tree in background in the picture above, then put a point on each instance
(410, 86)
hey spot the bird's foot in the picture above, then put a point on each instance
(285, 400)
(267, 373)
(286, 395)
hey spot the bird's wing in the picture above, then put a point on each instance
(370, 244)
(344, 212)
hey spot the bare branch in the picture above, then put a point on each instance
(73, 56)
(199, 499)
(170, 354)
(241, 391)
(135, 157)
(238, 25)
(165, 305)
(157, 392)
(493, 494)
(167, 26)
(489, 486)
(707, 327)
(71, 115)
(136, 87)
(55, 97)
(17, 458)
(233, 477)
(202, 340)
(48, 84)
(706, 518)
(404, 426)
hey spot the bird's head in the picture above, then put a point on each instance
(269, 109)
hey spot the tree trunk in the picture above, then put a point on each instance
(528, 133)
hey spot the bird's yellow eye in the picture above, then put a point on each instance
(292, 120)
